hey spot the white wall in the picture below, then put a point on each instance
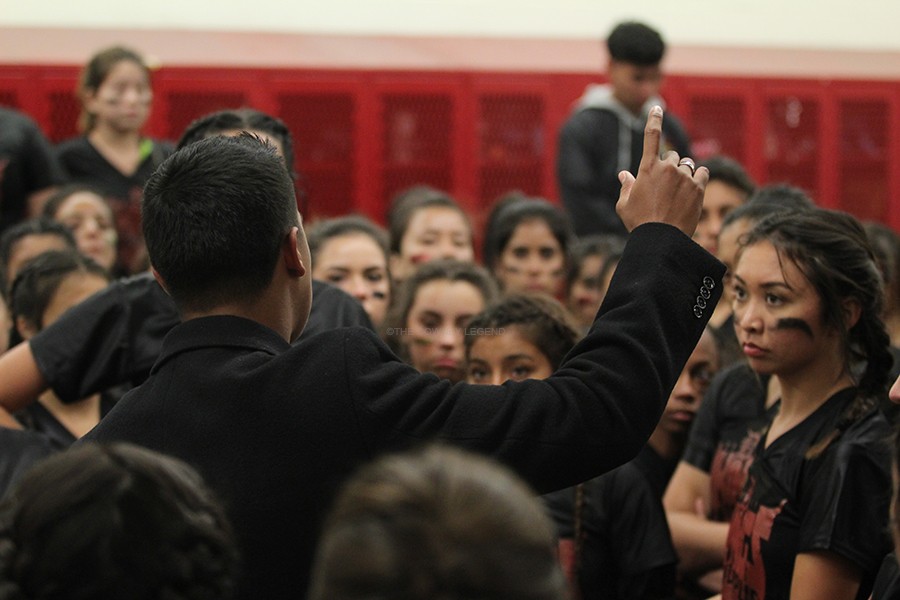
(816, 24)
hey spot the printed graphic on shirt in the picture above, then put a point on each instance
(744, 575)
(728, 472)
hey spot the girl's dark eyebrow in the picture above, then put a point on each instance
(765, 286)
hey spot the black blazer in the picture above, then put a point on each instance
(276, 428)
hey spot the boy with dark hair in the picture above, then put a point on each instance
(603, 137)
(275, 428)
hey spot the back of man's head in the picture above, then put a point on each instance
(215, 215)
(635, 43)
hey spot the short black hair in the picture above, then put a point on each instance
(731, 173)
(636, 43)
(240, 119)
(215, 215)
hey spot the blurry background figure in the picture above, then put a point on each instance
(426, 224)
(352, 254)
(425, 326)
(436, 523)
(114, 522)
(45, 288)
(526, 246)
(729, 187)
(584, 291)
(521, 336)
(28, 168)
(86, 213)
(28, 239)
(113, 155)
(604, 134)
(886, 245)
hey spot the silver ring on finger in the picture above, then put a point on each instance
(689, 163)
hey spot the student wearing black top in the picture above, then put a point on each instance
(810, 521)
(614, 537)
(887, 582)
(30, 168)
(275, 428)
(112, 154)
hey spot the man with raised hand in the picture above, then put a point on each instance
(275, 428)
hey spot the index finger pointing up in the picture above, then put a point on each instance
(652, 136)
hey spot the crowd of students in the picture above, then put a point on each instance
(765, 473)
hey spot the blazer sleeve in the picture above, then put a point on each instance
(595, 412)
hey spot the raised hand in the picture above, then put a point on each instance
(663, 192)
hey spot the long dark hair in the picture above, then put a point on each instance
(832, 251)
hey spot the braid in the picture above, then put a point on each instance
(873, 336)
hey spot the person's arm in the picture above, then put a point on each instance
(699, 542)
(600, 407)
(22, 381)
(824, 576)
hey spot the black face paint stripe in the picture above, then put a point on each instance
(799, 324)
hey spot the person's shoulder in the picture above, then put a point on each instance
(870, 431)
(77, 146)
(590, 119)
(14, 118)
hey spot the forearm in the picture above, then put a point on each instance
(22, 381)
(699, 542)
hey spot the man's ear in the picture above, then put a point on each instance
(159, 279)
(291, 250)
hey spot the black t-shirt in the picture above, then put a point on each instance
(836, 502)
(656, 469)
(725, 434)
(627, 549)
(35, 417)
(27, 165)
(115, 336)
(887, 583)
(21, 450)
(84, 164)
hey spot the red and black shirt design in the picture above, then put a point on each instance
(836, 501)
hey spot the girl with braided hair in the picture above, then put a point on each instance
(812, 518)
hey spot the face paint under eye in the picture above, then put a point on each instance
(791, 323)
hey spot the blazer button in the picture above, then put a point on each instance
(701, 302)
(704, 291)
(709, 282)
(698, 312)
